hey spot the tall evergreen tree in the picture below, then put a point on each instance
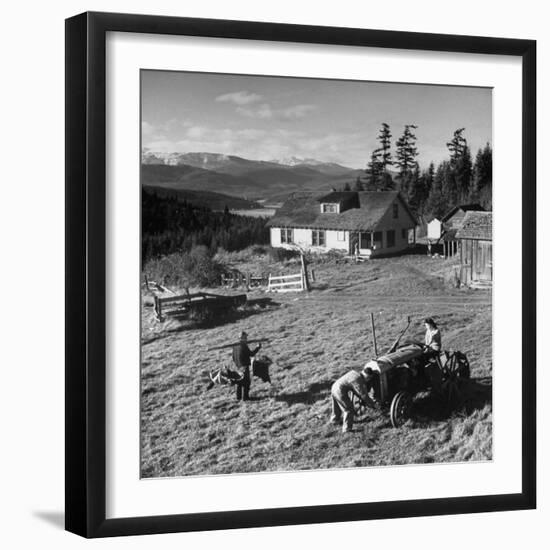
(439, 200)
(481, 190)
(406, 154)
(463, 170)
(384, 137)
(456, 145)
(373, 171)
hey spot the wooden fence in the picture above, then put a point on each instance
(236, 279)
(286, 283)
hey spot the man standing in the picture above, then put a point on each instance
(241, 358)
(352, 382)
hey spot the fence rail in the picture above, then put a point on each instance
(286, 283)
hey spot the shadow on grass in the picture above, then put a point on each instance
(314, 393)
(475, 394)
(211, 318)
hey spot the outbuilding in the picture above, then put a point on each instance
(451, 223)
(476, 249)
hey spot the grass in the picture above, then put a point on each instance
(314, 338)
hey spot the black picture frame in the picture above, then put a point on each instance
(86, 275)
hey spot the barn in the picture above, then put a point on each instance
(452, 222)
(476, 249)
(353, 222)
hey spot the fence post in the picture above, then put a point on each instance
(305, 282)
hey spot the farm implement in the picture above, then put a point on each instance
(200, 304)
(405, 371)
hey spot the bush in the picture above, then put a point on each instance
(282, 254)
(195, 268)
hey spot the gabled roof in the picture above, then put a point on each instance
(477, 225)
(302, 210)
(338, 196)
(464, 208)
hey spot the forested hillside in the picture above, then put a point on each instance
(171, 224)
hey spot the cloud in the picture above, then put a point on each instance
(265, 111)
(239, 98)
(297, 111)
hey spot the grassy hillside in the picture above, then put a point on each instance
(314, 338)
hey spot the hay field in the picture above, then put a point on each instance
(314, 337)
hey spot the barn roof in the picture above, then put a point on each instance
(477, 225)
(465, 208)
(302, 210)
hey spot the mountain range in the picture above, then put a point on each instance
(240, 177)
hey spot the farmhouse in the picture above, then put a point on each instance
(364, 223)
(476, 249)
(452, 222)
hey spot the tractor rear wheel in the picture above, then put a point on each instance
(455, 371)
(401, 408)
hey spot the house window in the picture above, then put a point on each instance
(329, 208)
(404, 234)
(340, 236)
(286, 236)
(396, 210)
(318, 237)
(390, 237)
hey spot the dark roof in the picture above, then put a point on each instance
(477, 225)
(338, 196)
(450, 235)
(302, 210)
(464, 208)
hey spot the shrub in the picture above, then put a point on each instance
(196, 267)
(282, 254)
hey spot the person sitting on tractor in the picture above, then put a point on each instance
(241, 358)
(432, 340)
(356, 383)
(432, 349)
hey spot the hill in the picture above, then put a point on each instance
(243, 178)
(205, 199)
(314, 339)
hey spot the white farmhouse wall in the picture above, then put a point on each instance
(434, 229)
(303, 237)
(388, 222)
(275, 236)
(333, 242)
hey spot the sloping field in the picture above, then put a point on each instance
(314, 338)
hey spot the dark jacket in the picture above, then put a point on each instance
(242, 354)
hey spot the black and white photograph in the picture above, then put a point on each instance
(316, 274)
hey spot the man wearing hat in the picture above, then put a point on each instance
(241, 357)
(354, 382)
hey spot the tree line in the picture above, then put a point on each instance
(435, 190)
(170, 224)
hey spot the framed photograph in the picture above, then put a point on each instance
(300, 274)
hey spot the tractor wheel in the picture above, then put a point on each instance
(400, 409)
(359, 407)
(455, 371)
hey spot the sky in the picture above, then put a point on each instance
(273, 118)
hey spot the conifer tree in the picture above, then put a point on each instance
(406, 153)
(456, 145)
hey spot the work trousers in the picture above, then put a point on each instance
(243, 386)
(342, 408)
